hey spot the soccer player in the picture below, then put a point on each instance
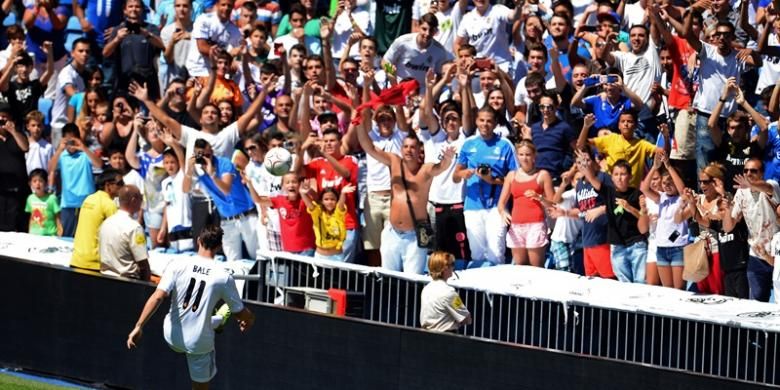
(195, 287)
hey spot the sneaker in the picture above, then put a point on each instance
(221, 318)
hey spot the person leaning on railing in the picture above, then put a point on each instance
(441, 309)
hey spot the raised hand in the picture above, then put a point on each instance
(138, 91)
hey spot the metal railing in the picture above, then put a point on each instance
(720, 350)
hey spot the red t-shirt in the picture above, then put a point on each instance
(296, 225)
(320, 169)
(681, 90)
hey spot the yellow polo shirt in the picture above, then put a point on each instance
(95, 209)
(635, 151)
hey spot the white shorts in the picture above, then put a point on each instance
(651, 247)
(203, 367)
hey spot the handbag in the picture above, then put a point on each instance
(423, 230)
(696, 258)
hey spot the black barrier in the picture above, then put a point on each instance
(74, 325)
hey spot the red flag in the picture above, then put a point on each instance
(393, 96)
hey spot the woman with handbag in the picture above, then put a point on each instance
(728, 251)
(530, 190)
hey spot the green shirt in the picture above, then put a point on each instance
(393, 19)
(43, 213)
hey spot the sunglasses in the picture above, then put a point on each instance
(750, 170)
(707, 182)
(350, 70)
(544, 107)
(721, 34)
(251, 147)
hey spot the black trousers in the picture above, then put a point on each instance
(204, 213)
(451, 230)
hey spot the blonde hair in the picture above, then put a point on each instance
(526, 143)
(438, 263)
(714, 170)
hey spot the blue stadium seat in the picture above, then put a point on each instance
(71, 37)
(10, 20)
(45, 106)
(73, 24)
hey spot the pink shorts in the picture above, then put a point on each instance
(527, 235)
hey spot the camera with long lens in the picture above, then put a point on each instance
(483, 169)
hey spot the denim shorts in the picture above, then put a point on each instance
(670, 256)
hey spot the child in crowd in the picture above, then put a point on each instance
(328, 220)
(43, 207)
(75, 163)
(296, 224)
(148, 162)
(40, 150)
(22, 91)
(177, 220)
(672, 227)
(116, 160)
(650, 208)
(564, 240)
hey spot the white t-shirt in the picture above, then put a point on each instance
(770, 70)
(177, 203)
(378, 174)
(38, 155)
(181, 50)
(666, 228)
(411, 61)
(521, 94)
(449, 22)
(222, 143)
(67, 76)
(640, 71)
(776, 271)
(195, 285)
(714, 70)
(443, 189)
(266, 184)
(567, 229)
(209, 27)
(122, 245)
(488, 33)
(342, 29)
(758, 212)
(441, 308)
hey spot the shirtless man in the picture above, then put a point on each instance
(399, 249)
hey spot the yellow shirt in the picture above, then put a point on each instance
(329, 229)
(636, 152)
(95, 209)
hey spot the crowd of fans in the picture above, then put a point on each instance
(599, 137)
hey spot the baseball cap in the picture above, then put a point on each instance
(327, 115)
(611, 15)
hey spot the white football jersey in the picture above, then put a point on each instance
(195, 286)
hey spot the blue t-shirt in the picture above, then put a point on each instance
(43, 30)
(499, 154)
(76, 175)
(563, 56)
(607, 114)
(235, 202)
(771, 152)
(102, 14)
(553, 146)
(593, 233)
(76, 101)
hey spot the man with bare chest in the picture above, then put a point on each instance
(410, 183)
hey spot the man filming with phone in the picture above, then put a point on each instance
(134, 46)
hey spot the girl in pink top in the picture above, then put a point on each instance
(531, 191)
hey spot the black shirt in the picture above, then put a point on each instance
(23, 98)
(734, 157)
(183, 117)
(622, 226)
(13, 168)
